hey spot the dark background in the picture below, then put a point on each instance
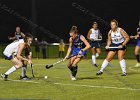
(57, 17)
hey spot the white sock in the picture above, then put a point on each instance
(123, 66)
(97, 55)
(94, 59)
(23, 70)
(11, 70)
(104, 65)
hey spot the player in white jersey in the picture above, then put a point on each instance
(93, 37)
(17, 48)
(117, 37)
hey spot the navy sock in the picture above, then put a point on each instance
(137, 57)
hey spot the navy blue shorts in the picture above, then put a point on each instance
(76, 51)
(94, 44)
(116, 49)
(138, 43)
(8, 58)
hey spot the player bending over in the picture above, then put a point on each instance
(117, 37)
(13, 52)
(77, 46)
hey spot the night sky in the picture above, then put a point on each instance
(57, 17)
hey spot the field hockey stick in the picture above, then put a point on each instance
(49, 66)
(113, 47)
(98, 40)
(32, 70)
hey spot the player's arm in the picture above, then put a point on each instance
(30, 55)
(109, 40)
(22, 34)
(100, 34)
(21, 47)
(69, 49)
(126, 37)
(12, 38)
(87, 45)
(88, 35)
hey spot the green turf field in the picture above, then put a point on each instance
(58, 86)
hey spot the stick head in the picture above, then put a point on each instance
(47, 66)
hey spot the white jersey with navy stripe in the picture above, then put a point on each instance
(12, 48)
(117, 37)
(95, 34)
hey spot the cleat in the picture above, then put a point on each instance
(137, 65)
(25, 78)
(124, 74)
(4, 77)
(95, 65)
(99, 73)
(73, 78)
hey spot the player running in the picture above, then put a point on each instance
(137, 48)
(117, 37)
(77, 46)
(93, 36)
(13, 52)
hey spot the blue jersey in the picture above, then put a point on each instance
(77, 45)
(138, 42)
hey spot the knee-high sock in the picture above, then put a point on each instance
(123, 66)
(24, 67)
(137, 57)
(75, 68)
(11, 70)
(104, 65)
(94, 59)
(97, 55)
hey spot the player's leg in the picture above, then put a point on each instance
(137, 49)
(70, 64)
(122, 61)
(17, 64)
(24, 69)
(75, 67)
(109, 57)
(93, 51)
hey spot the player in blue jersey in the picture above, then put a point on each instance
(77, 47)
(137, 48)
(117, 37)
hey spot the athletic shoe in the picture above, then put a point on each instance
(99, 73)
(95, 65)
(73, 78)
(4, 77)
(124, 74)
(25, 78)
(137, 65)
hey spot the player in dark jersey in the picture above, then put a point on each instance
(77, 47)
(137, 48)
(18, 34)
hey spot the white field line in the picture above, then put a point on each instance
(25, 81)
(131, 68)
(91, 86)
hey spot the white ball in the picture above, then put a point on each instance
(45, 77)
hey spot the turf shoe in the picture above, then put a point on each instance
(73, 78)
(124, 74)
(95, 65)
(25, 78)
(99, 73)
(4, 77)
